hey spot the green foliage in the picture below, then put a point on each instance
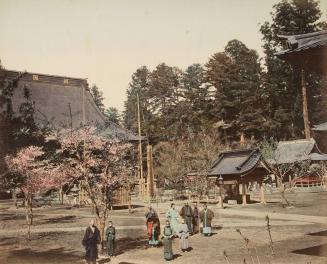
(281, 83)
(112, 115)
(235, 76)
(97, 97)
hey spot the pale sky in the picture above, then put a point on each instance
(106, 41)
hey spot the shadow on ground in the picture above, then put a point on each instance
(321, 233)
(319, 251)
(62, 219)
(126, 244)
(10, 217)
(57, 255)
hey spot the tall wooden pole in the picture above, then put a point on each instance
(141, 184)
(150, 178)
(81, 190)
(305, 107)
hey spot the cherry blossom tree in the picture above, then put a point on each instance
(35, 176)
(100, 165)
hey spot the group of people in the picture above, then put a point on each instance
(180, 225)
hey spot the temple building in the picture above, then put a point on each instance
(63, 102)
(238, 168)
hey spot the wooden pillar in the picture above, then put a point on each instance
(221, 199)
(141, 180)
(244, 194)
(262, 193)
(150, 177)
(305, 107)
(242, 140)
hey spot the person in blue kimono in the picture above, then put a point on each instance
(172, 216)
(206, 216)
(168, 241)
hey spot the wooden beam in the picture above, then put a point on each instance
(305, 106)
(244, 194)
(262, 193)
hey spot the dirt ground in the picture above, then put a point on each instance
(299, 235)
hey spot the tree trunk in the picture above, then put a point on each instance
(14, 197)
(282, 192)
(305, 107)
(61, 195)
(29, 214)
(129, 200)
(101, 222)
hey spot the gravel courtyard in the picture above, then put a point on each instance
(299, 234)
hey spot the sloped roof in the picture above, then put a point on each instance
(320, 127)
(112, 130)
(297, 150)
(58, 102)
(302, 42)
(237, 162)
(308, 51)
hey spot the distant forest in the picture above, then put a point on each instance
(235, 93)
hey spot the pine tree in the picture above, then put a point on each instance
(138, 86)
(235, 76)
(195, 106)
(112, 115)
(98, 97)
(281, 82)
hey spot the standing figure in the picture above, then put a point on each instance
(172, 216)
(168, 241)
(187, 214)
(153, 226)
(206, 216)
(183, 236)
(111, 237)
(196, 219)
(90, 242)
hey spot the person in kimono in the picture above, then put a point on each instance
(206, 217)
(153, 226)
(168, 241)
(172, 216)
(187, 214)
(155, 232)
(183, 236)
(111, 237)
(90, 242)
(196, 219)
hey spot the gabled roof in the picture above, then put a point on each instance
(302, 42)
(297, 150)
(237, 162)
(320, 127)
(307, 51)
(58, 102)
(112, 130)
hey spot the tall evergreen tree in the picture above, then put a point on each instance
(139, 86)
(195, 106)
(235, 76)
(112, 115)
(163, 96)
(98, 97)
(281, 82)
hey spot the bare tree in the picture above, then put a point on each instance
(286, 174)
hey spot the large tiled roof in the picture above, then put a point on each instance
(58, 102)
(296, 151)
(306, 51)
(299, 43)
(238, 162)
